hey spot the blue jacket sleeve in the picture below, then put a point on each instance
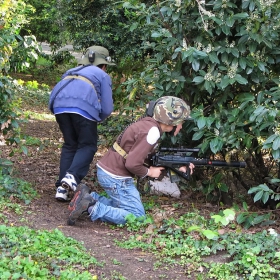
(107, 105)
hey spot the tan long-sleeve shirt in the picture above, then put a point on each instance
(138, 141)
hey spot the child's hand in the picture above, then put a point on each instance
(155, 172)
(184, 168)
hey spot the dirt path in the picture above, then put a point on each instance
(41, 168)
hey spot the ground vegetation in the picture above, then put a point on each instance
(221, 57)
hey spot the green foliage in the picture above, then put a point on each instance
(213, 186)
(222, 58)
(16, 52)
(32, 254)
(248, 219)
(32, 94)
(46, 21)
(134, 223)
(114, 125)
(9, 108)
(263, 192)
(63, 57)
(246, 255)
(15, 187)
(226, 218)
(19, 95)
(13, 190)
(6, 166)
(25, 53)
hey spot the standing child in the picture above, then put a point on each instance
(79, 101)
(125, 160)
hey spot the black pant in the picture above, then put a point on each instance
(79, 147)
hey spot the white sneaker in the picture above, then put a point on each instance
(62, 194)
(69, 182)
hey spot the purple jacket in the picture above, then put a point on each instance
(76, 95)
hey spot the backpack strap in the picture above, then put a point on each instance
(120, 150)
(79, 77)
(72, 77)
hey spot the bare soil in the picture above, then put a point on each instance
(41, 168)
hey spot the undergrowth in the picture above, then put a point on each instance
(37, 254)
(191, 241)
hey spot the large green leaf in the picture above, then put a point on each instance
(213, 57)
(216, 145)
(195, 65)
(276, 154)
(197, 135)
(224, 82)
(241, 80)
(210, 234)
(258, 196)
(242, 63)
(201, 122)
(230, 21)
(270, 139)
(245, 97)
(243, 39)
(276, 143)
(198, 79)
(240, 16)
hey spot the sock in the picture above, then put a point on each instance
(91, 208)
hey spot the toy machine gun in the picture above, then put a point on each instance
(173, 158)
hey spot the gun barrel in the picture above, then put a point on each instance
(240, 164)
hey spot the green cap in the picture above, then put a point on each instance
(98, 55)
(171, 110)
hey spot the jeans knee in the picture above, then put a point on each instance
(139, 213)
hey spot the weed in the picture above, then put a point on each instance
(15, 187)
(30, 254)
(186, 240)
(116, 262)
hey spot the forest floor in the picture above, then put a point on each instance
(41, 167)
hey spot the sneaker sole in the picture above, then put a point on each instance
(61, 199)
(62, 196)
(73, 205)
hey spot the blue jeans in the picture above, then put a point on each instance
(124, 199)
(79, 147)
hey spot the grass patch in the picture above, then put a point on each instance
(39, 116)
(36, 254)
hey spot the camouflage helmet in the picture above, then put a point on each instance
(171, 110)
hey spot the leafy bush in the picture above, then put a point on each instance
(114, 125)
(221, 57)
